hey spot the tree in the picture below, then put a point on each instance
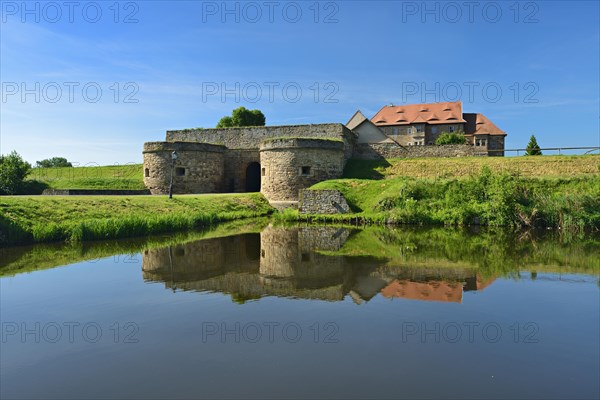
(451, 138)
(241, 116)
(13, 170)
(54, 162)
(533, 149)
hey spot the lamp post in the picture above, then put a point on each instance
(173, 158)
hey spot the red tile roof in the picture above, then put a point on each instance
(478, 124)
(432, 113)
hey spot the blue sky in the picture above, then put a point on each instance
(92, 81)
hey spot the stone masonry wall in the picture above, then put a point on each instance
(236, 164)
(322, 202)
(289, 165)
(371, 151)
(251, 137)
(202, 166)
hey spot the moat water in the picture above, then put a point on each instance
(304, 312)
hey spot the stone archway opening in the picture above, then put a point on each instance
(253, 177)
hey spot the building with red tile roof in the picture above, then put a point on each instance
(422, 124)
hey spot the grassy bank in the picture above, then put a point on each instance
(438, 168)
(32, 219)
(113, 177)
(484, 198)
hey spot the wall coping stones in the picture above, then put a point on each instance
(292, 143)
(155, 147)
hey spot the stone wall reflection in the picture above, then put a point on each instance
(297, 262)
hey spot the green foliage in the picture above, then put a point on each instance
(83, 218)
(241, 116)
(13, 170)
(488, 198)
(113, 177)
(533, 149)
(451, 138)
(54, 162)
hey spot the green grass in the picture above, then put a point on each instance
(486, 198)
(115, 177)
(532, 166)
(27, 219)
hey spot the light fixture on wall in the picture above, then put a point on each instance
(173, 158)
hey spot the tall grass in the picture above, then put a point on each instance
(487, 198)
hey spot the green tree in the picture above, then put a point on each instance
(533, 149)
(241, 116)
(451, 138)
(13, 170)
(54, 162)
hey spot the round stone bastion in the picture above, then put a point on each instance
(291, 164)
(199, 167)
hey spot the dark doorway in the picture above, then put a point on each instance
(253, 177)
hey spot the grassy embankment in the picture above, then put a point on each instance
(551, 191)
(28, 219)
(114, 177)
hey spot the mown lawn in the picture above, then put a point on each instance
(116, 177)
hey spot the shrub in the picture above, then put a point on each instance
(451, 138)
(13, 170)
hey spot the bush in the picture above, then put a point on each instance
(451, 138)
(13, 170)
(54, 162)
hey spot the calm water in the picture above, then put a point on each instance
(304, 312)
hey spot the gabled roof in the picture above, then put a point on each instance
(357, 119)
(366, 130)
(429, 113)
(478, 124)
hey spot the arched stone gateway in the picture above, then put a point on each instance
(253, 177)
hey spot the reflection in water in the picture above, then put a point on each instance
(299, 263)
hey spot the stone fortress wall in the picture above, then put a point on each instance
(290, 165)
(199, 167)
(278, 161)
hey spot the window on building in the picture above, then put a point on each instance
(179, 171)
(263, 172)
(434, 129)
(430, 143)
(305, 171)
(147, 173)
(409, 130)
(395, 130)
(450, 129)
(419, 128)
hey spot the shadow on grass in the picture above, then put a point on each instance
(365, 169)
